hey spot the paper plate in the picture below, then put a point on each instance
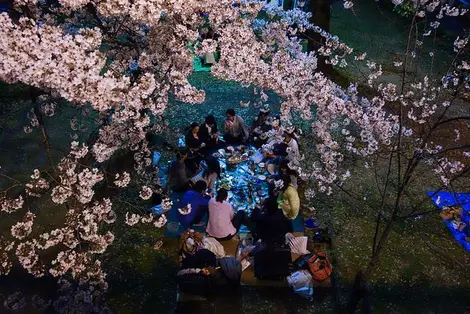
(262, 177)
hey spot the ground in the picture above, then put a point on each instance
(422, 270)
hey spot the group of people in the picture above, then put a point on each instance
(195, 172)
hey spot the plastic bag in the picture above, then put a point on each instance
(257, 158)
(155, 158)
(302, 284)
(298, 245)
(214, 246)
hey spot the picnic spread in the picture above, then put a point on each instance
(242, 177)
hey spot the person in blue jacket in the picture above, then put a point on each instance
(199, 204)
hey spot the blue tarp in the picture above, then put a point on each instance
(174, 229)
(441, 199)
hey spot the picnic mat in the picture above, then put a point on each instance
(174, 229)
(245, 180)
(441, 199)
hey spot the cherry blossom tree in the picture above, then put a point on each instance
(123, 60)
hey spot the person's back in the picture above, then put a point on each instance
(272, 225)
(178, 177)
(198, 204)
(290, 202)
(220, 219)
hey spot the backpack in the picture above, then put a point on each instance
(320, 266)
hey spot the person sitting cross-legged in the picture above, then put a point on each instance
(194, 205)
(208, 133)
(271, 223)
(235, 129)
(178, 178)
(223, 222)
(288, 197)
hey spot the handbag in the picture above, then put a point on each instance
(320, 267)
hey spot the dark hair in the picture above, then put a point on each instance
(291, 134)
(210, 120)
(200, 186)
(284, 165)
(222, 195)
(270, 204)
(193, 125)
(286, 180)
(230, 112)
(213, 166)
(261, 114)
(181, 152)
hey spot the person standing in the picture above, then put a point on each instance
(235, 129)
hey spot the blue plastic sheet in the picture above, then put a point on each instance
(441, 199)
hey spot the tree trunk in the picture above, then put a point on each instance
(37, 111)
(321, 17)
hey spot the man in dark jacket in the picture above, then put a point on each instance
(178, 178)
(208, 133)
(271, 223)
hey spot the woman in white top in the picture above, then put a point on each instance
(223, 222)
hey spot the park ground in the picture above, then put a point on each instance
(423, 270)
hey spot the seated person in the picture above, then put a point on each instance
(178, 178)
(288, 198)
(277, 131)
(271, 224)
(208, 133)
(291, 136)
(223, 222)
(199, 203)
(196, 147)
(235, 129)
(210, 174)
(288, 149)
(260, 127)
(284, 169)
(192, 137)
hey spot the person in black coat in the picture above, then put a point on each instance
(208, 133)
(271, 223)
(195, 149)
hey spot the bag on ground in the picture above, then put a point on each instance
(301, 283)
(320, 267)
(214, 246)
